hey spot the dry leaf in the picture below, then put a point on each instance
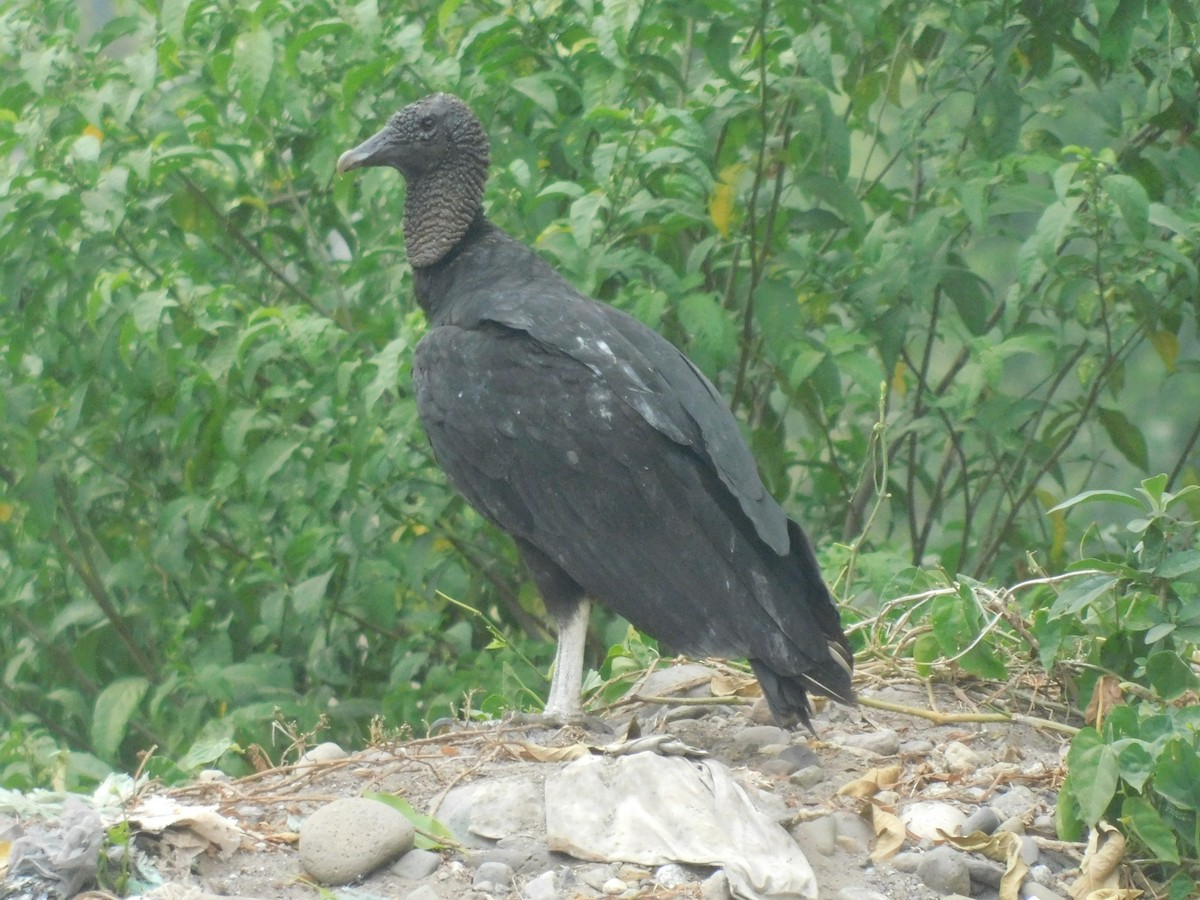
(734, 684)
(872, 782)
(1098, 871)
(1003, 846)
(1105, 696)
(196, 828)
(889, 833)
(539, 753)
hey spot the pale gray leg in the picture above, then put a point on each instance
(566, 685)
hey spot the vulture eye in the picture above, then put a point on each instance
(426, 124)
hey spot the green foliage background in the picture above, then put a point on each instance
(941, 256)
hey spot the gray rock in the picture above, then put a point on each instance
(916, 747)
(416, 864)
(672, 875)
(808, 777)
(689, 680)
(945, 870)
(351, 837)
(984, 871)
(497, 873)
(961, 758)
(800, 756)
(818, 837)
(885, 743)
(906, 861)
(750, 741)
(323, 753)
(925, 817)
(540, 888)
(1016, 801)
(983, 819)
(1031, 890)
(780, 768)
(424, 892)
(853, 832)
(480, 813)
(1014, 825)
(614, 887)
(1029, 850)
(1044, 823)
(716, 887)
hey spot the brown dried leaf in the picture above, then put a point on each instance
(540, 753)
(734, 684)
(1098, 871)
(1003, 846)
(872, 781)
(889, 833)
(1106, 695)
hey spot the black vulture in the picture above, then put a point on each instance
(596, 444)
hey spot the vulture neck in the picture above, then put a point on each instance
(440, 206)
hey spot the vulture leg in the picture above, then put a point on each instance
(566, 602)
(566, 685)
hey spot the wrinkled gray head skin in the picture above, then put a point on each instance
(442, 150)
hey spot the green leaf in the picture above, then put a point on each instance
(1177, 775)
(1150, 828)
(308, 597)
(253, 59)
(171, 18)
(269, 459)
(1135, 763)
(1081, 594)
(1126, 437)
(1094, 771)
(1169, 675)
(110, 716)
(1178, 564)
(971, 295)
(1132, 201)
(1097, 497)
(431, 834)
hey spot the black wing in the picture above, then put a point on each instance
(606, 466)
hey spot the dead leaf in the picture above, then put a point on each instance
(192, 828)
(1098, 871)
(1003, 846)
(734, 684)
(1105, 696)
(872, 782)
(890, 833)
(540, 753)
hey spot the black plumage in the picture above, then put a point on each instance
(610, 459)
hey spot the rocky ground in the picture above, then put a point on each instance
(876, 804)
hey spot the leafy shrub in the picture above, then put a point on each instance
(215, 501)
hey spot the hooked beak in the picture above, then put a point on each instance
(368, 153)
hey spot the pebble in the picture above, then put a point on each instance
(493, 873)
(540, 888)
(925, 817)
(1015, 825)
(672, 875)
(916, 747)
(800, 756)
(416, 864)
(1029, 850)
(1016, 801)
(885, 743)
(961, 758)
(853, 832)
(752, 740)
(614, 886)
(906, 861)
(351, 837)
(1031, 890)
(716, 887)
(323, 753)
(808, 777)
(1044, 823)
(945, 870)
(984, 871)
(211, 776)
(777, 767)
(984, 819)
(424, 892)
(1041, 874)
(818, 837)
